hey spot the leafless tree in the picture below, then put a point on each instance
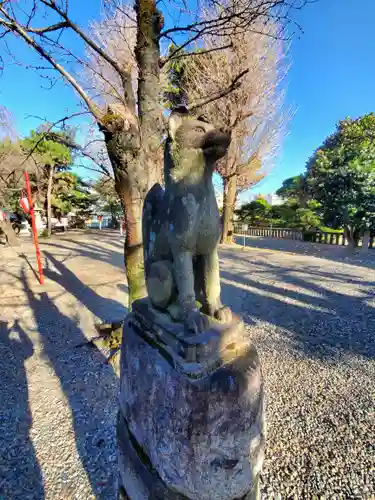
(13, 163)
(253, 111)
(7, 128)
(12, 159)
(133, 131)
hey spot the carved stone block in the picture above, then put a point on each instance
(191, 410)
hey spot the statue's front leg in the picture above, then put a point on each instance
(184, 277)
(211, 288)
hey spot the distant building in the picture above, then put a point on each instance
(274, 199)
(271, 198)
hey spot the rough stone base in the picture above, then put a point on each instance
(137, 474)
(141, 481)
(189, 430)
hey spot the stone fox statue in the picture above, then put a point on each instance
(181, 224)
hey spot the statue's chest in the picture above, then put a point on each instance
(208, 218)
(196, 221)
(208, 226)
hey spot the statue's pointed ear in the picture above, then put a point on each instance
(176, 118)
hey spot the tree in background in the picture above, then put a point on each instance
(133, 126)
(256, 212)
(7, 130)
(252, 111)
(51, 157)
(107, 195)
(289, 214)
(294, 189)
(299, 210)
(308, 217)
(69, 193)
(36, 154)
(13, 163)
(341, 176)
(12, 166)
(175, 91)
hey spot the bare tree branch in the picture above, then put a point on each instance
(70, 142)
(48, 29)
(100, 170)
(53, 5)
(178, 55)
(44, 135)
(118, 35)
(73, 145)
(7, 128)
(234, 16)
(218, 95)
(30, 41)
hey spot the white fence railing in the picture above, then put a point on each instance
(328, 238)
(271, 232)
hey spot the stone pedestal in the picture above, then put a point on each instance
(190, 424)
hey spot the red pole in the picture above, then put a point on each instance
(35, 234)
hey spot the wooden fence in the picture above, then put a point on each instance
(327, 238)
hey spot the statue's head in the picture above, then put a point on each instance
(195, 137)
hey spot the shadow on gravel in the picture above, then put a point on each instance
(106, 309)
(89, 384)
(95, 250)
(20, 474)
(335, 253)
(320, 321)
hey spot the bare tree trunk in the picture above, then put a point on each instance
(133, 250)
(132, 203)
(366, 240)
(150, 113)
(230, 192)
(132, 149)
(49, 199)
(113, 216)
(124, 158)
(349, 235)
(7, 229)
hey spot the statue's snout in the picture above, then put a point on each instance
(220, 137)
(227, 135)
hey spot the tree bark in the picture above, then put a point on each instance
(49, 199)
(132, 201)
(230, 195)
(349, 235)
(123, 151)
(132, 148)
(133, 249)
(7, 229)
(150, 113)
(366, 240)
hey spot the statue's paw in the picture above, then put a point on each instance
(197, 322)
(224, 314)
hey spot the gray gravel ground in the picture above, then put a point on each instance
(312, 319)
(58, 402)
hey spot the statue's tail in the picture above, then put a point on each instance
(151, 204)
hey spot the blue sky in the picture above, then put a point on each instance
(332, 76)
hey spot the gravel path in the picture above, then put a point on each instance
(58, 402)
(312, 319)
